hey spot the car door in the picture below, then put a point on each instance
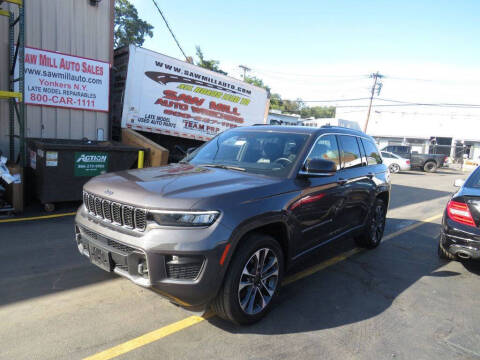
(355, 185)
(315, 209)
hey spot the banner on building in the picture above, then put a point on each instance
(61, 80)
(172, 97)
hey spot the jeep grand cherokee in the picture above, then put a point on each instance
(221, 228)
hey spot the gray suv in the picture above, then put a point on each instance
(220, 228)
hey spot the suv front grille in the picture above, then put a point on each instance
(116, 213)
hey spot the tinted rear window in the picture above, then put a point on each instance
(349, 151)
(474, 179)
(373, 156)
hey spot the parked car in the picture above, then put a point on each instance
(426, 162)
(222, 227)
(460, 236)
(394, 162)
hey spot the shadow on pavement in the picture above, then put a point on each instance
(413, 195)
(472, 265)
(353, 290)
(41, 258)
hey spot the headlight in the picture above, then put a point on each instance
(184, 218)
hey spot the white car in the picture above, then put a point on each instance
(394, 162)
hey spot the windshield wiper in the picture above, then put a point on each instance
(220, 166)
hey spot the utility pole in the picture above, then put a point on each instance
(375, 77)
(245, 69)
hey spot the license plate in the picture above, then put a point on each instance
(100, 257)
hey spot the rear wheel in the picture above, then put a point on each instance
(373, 232)
(430, 166)
(252, 281)
(394, 168)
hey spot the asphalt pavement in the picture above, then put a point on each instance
(398, 301)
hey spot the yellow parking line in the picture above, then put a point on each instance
(411, 227)
(148, 338)
(37, 217)
(193, 320)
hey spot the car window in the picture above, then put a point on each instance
(373, 156)
(349, 151)
(325, 148)
(386, 155)
(474, 179)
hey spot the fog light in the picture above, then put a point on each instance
(142, 268)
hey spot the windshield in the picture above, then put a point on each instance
(260, 152)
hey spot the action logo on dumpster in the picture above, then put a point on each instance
(90, 163)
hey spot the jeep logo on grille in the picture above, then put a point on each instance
(108, 192)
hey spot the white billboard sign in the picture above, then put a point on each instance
(60, 80)
(172, 97)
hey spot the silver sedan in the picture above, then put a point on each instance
(394, 162)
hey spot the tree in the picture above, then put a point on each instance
(208, 64)
(257, 82)
(128, 27)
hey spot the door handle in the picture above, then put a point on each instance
(341, 181)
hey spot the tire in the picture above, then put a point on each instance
(394, 168)
(49, 207)
(372, 234)
(430, 166)
(235, 304)
(444, 254)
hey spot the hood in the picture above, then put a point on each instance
(179, 186)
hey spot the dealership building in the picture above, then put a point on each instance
(455, 134)
(68, 52)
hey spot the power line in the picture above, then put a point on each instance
(429, 104)
(245, 69)
(169, 29)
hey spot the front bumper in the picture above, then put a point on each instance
(460, 240)
(180, 264)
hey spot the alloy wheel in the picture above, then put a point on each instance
(258, 281)
(377, 225)
(394, 168)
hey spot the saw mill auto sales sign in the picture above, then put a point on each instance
(168, 96)
(60, 80)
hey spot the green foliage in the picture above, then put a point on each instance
(318, 112)
(257, 82)
(292, 106)
(208, 64)
(128, 27)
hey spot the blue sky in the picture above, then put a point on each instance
(258, 32)
(325, 49)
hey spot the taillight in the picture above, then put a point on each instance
(459, 212)
(408, 162)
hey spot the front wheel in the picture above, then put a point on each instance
(252, 281)
(373, 232)
(394, 168)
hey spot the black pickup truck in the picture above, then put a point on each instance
(427, 162)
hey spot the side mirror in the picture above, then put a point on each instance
(458, 182)
(319, 167)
